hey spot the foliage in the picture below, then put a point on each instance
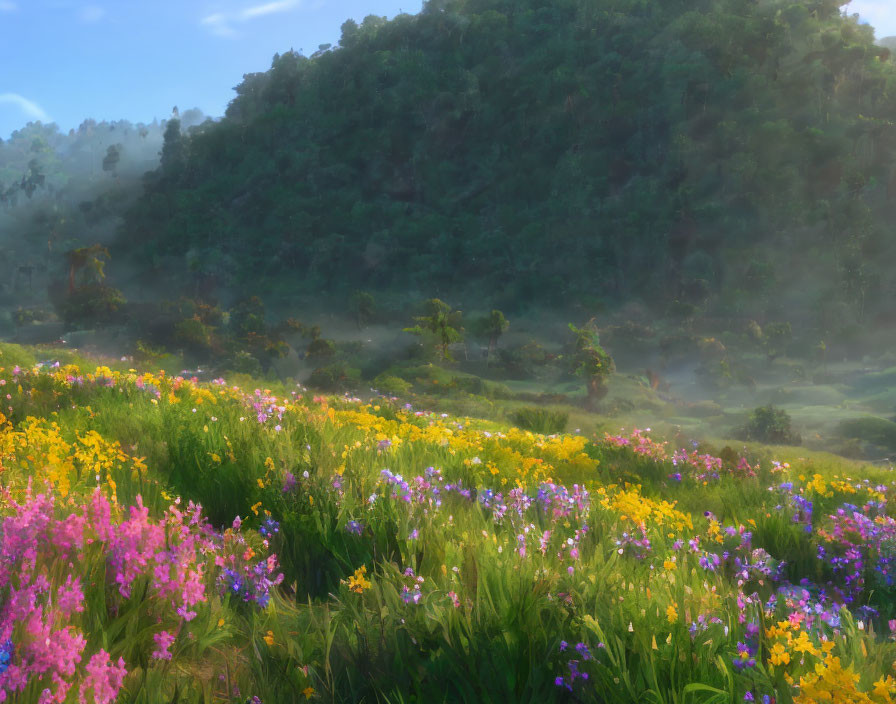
(879, 431)
(338, 376)
(776, 337)
(363, 308)
(91, 305)
(491, 327)
(772, 425)
(320, 349)
(540, 420)
(645, 133)
(591, 361)
(391, 384)
(440, 321)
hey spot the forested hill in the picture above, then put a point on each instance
(709, 152)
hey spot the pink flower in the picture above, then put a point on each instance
(70, 596)
(164, 640)
(104, 678)
(68, 533)
(100, 514)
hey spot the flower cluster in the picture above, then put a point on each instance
(244, 575)
(582, 654)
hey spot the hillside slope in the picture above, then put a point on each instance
(527, 149)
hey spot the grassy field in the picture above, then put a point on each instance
(168, 540)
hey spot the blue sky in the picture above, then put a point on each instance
(66, 60)
(881, 14)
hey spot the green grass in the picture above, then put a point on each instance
(489, 622)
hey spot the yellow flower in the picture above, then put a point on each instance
(255, 508)
(220, 622)
(883, 687)
(669, 565)
(780, 656)
(671, 613)
(804, 645)
(269, 638)
(358, 582)
(308, 691)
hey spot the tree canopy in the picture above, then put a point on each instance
(707, 152)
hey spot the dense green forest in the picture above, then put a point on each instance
(730, 155)
(62, 191)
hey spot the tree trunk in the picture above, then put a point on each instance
(596, 392)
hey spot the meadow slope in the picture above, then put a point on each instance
(168, 540)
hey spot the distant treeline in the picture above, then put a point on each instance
(64, 190)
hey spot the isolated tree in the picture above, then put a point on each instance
(441, 321)
(592, 362)
(247, 318)
(492, 326)
(364, 308)
(113, 156)
(173, 155)
(89, 301)
(777, 337)
(87, 259)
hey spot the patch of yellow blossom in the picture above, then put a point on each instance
(38, 450)
(358, 582)
(632, 506)
(671, 613)
(829, 681)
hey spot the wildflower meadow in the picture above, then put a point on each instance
(166, 540)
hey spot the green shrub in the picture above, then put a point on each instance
(540, 420)
(480, 387)
(770, 425)
(393, 385)
(194, 335)
(92, 304)
(320, 348)
(26, 316)
(335, 377)
(244, 363)
(877, 431)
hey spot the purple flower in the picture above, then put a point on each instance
(269, 527)
(289, 482)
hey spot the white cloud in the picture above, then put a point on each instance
(268, 9)
(8, 6)
(222, 23)
(218, 24)
(28, 107)
(881, 14)
(91, 13)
